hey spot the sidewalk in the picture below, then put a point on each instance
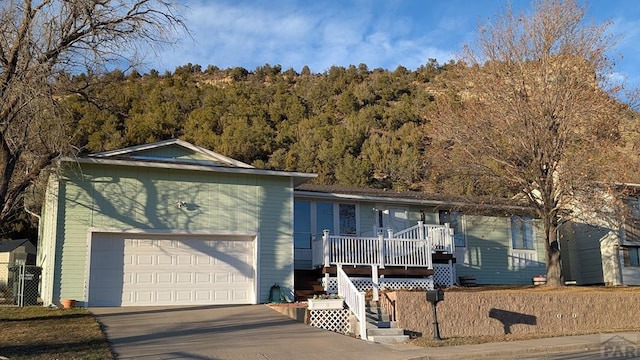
(595, 346)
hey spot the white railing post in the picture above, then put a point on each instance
(421, 233)
(376, 282)
(449, 238)
(380, 250)
(354, 299)
(326, 247)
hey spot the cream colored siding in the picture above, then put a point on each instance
(46, 254)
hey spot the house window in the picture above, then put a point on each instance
(522, 233)
(454, 219)
(631, 257)
(634, 204)
(347, 220)
(302, 224)
(632, 225)
(324, 217)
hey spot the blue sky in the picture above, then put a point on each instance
(380, 34)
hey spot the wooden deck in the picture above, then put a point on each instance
(390, 271)
(416, 247)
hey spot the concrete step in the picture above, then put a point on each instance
(380, 328)
(373, 314)
(382, 325)
(383, 339)
(382, 322)
(385, 332)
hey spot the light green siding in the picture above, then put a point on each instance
(581, 252)
(174, 151)
(276, 229)
(488, 253)
(488, 256)
(368, 218)
(143, 198)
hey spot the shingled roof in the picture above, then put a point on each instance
(414, 197)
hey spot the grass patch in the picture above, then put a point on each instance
(545, 288)
(36, 332)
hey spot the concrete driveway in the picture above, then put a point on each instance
(230, 332)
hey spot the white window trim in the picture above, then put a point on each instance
(526, 257)
(336, 217)
(463, 228)
(461, 253)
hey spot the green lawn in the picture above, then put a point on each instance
(36, 332)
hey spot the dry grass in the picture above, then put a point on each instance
(472, 340)
(545, 288)
(42, 333)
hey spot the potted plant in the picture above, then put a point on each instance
(326, 302)
(539, 280)
(67, 303)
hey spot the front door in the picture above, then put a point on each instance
(396, 219)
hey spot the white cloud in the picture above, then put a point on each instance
(319, 34)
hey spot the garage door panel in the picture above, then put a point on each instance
(171, 270)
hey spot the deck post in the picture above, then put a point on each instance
(381, 249)
(327, 277)
(452, 266)
(376, 282)
(325, 247)
(421, 233)
(450, 241)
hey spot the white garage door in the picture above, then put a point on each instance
(129, 269)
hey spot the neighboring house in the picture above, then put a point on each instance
(603, 251)
(495, 244)
(167, 223)
(14, 252)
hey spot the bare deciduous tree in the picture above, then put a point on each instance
(530, 111)
(40, 43)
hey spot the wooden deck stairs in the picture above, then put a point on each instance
(307, 285)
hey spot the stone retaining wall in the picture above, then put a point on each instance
(499, 312)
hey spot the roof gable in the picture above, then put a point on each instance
(181, 155)
(10, 245)
(174, 151)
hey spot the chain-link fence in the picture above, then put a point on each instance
(19, 284)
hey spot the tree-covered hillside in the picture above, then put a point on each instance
(352, 126)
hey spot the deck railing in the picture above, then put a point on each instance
(381, 251)
(441, 236)
(354, 300)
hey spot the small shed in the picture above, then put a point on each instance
(14, 252)
(20, 251)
